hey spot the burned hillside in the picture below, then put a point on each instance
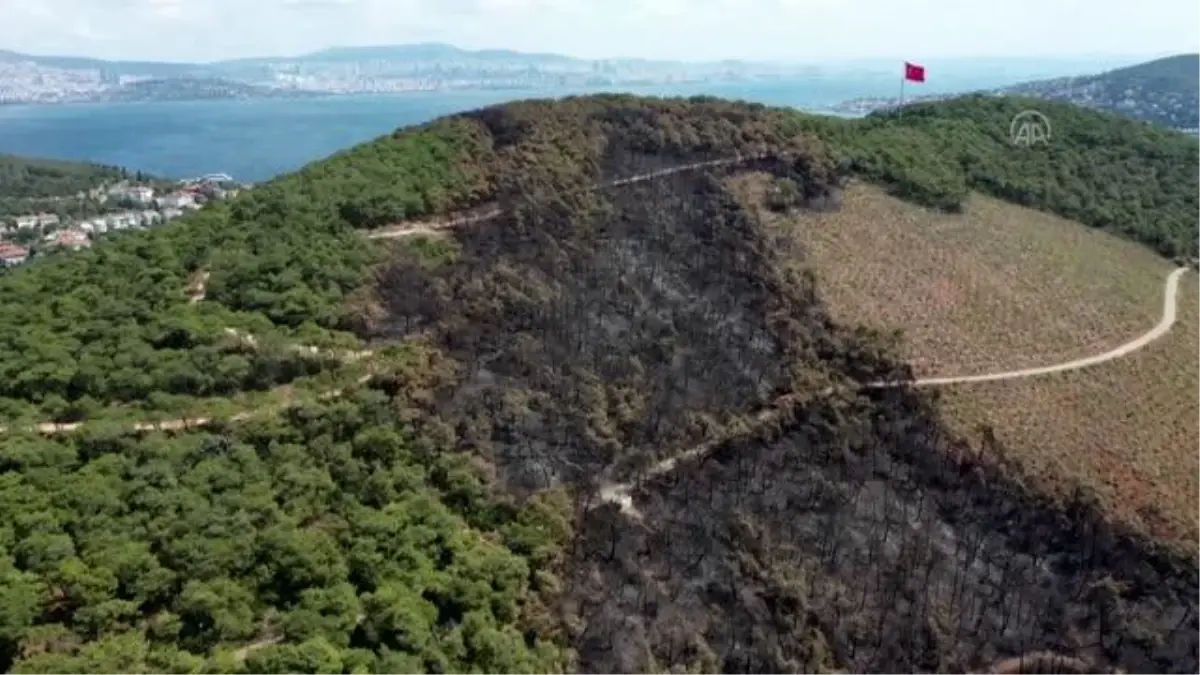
(601, 328)
(860, 537)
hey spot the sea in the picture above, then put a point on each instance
(254, 140)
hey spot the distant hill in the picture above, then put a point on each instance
(431, 51)
(108, 68)
(26, 78)
(34, 178)
(28, 184)
(1165, 91)
(195, 88)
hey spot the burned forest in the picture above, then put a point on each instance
(601, 331)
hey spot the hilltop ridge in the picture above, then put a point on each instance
(1162, 91)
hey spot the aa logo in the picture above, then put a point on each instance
(1028, 128)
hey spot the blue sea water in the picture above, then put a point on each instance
(257, 139)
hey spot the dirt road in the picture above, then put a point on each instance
(622, 493)
(490, 211)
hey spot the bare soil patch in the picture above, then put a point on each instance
(999, 287)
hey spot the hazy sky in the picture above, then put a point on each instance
(800, 30)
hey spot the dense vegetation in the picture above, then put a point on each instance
(29, 178)
(29, 185)
(333, 539)
(1130, 178)
(443, 513)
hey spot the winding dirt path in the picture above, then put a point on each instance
(622, 493)
(493, 210)
(1170, 294)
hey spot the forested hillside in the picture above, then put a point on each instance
(1163, 91)
(439, 504)
(29, 185)
(30, 178)
(1130, 178)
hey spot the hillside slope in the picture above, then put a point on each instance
(27, 183)
(1003, 287)
(1104, 171)
(436, 506)
(1164, 91)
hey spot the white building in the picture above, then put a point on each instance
(141, 194)
(176, 200)
(36, 220)
(122, 221)
(97, 225)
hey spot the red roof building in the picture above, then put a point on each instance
(12, 254)
(71, 238)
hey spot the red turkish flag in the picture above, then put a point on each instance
(913, 72)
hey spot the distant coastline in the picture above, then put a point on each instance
(435, 67)
(35, 79)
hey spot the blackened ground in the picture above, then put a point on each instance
(598, 335)
(859, 540)
(599, 331)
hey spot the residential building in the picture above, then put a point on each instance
(176, 200)
(36, 220)
(72, 239)
(96, 225)
(142, 195)
(12, 255)
(122, 221)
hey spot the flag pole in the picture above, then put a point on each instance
(903, 77)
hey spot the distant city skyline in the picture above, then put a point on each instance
(693, 30)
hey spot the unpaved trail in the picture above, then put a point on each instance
(244, 653)
(431, 226)
(493, 210)
(1159, 330)
(183, 423)
(621, 494)
(198, 287)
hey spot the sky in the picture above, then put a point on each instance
(775, 30)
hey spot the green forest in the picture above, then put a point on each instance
(1127, 177)
(29, 185)
(432, 506)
